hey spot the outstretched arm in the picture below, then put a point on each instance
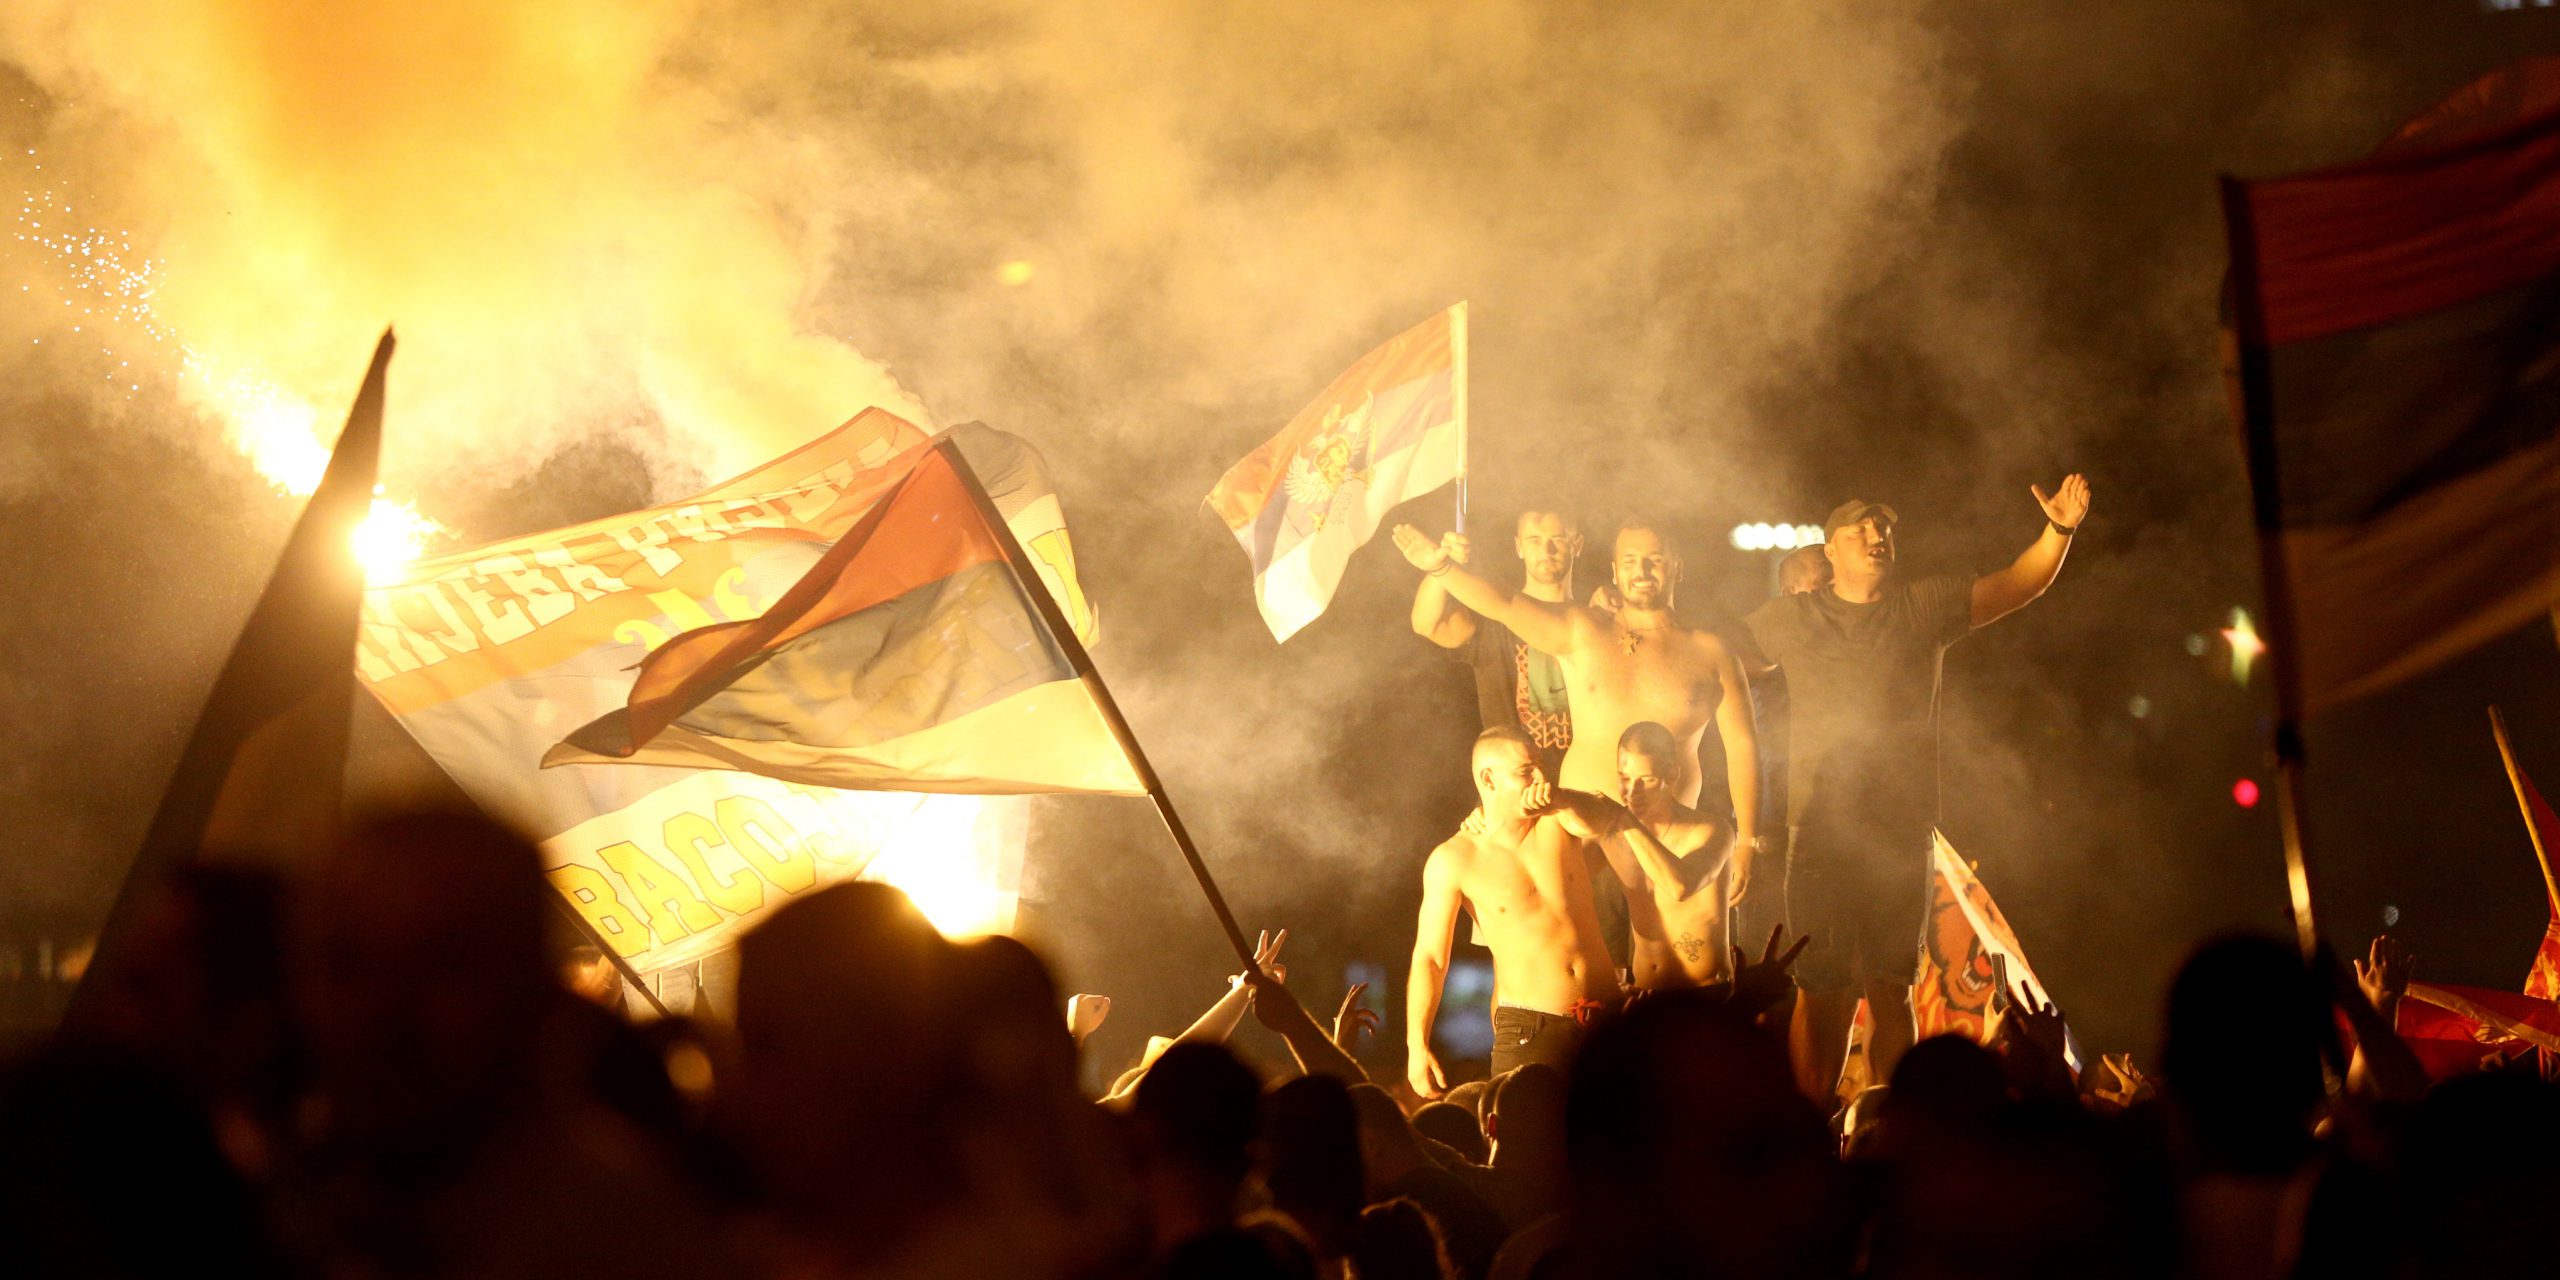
(1543, 626)
(1435, 930)
(1997, 595)
(1220, 1020)
(1436, 617)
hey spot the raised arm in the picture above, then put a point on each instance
(1435, 931)
(1220, 1020)
(1543, 626)
(1741, 736)
(1436, 617)
(1997, 595)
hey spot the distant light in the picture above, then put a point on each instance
(1017, 271)
(2390, 915)
(2139, 707)
(2196, 645)
(1763, 536)
(2244, 793)
(2246, 647)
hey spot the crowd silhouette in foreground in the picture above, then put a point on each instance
(378, 1071)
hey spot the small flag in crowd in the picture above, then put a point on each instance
(1393, 427)
(2542, 826)
(2397, 331)
(911, 657)
(2458, 1030)
(1966, 944)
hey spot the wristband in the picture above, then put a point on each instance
(1445, 566)
(2066, 530)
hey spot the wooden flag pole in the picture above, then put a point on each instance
(1458, 403)
(2532, 828)
(620, 965)
(1065, 635)
(2255, 407)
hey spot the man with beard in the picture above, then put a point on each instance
(1625, 668)
(1515, 684)
(1526, 879)
(1862, 660)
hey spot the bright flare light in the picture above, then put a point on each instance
(391, 536)
(1776, 537)
(944, 862)
(2246, 647)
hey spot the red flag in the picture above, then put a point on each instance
(2460, 1030)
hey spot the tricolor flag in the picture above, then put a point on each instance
(1951, 994)
(2542, 827)
(1393, 427)
(2459, 1030)
(264, 769)
(2396, 323)
(488, 656)
(912, 657)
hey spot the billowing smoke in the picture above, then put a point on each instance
(1728, 262)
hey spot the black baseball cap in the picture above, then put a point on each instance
(1855, 510)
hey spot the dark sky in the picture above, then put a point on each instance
(2041, 302)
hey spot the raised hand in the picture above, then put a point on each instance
(2383, 975)
(1419, 550)
(1454, 546)
(1352, 1019)
(2039, 1024)
(1085, 1014)
(2068, 505)
(1266, 955)
(1760, 984)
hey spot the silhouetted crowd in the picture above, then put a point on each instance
(378, 1071)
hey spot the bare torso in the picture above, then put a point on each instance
(1671, 678)
(1678, 938)
(1533, 909)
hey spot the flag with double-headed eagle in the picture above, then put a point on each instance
(1392, 428)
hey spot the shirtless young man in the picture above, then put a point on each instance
(1672, 861)
(1623, 669)
(1526, 880)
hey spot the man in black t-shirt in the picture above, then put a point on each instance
(1862, 659)
(1515, 684)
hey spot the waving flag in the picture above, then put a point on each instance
(911, 657)
(2397, 327)
(488, 656)
(1951, 993)
(2542, 827)
(1393, 427)
(2460, 1030)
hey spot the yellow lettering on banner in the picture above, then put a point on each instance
(500, 620)
(682, 610)
(544, 597)
(380, 654)
(449, 632)
(728, 595)
(592, 895)
(648, 544)
(807, 505)
(588, 581)
(672, 909)
(769, 844)
(686, 835)
(1055, 551)
(834, 842)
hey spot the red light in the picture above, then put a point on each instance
(2244, 793)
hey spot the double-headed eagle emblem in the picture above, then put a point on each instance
(1332, 462)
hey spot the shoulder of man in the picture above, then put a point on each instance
(1944, 604)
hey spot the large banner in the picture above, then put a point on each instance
(1951, 994)
(489, 657)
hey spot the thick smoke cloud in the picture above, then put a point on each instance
(1727, 262)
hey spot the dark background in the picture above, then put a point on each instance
(2044, 304)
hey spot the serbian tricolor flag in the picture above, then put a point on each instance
(2542, 827)
(1393, 427)
(2396, 323)
(2459, 1030)
(914, 656)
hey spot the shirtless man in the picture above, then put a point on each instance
(1672, 861)
(1526, 881)
(1622, 669)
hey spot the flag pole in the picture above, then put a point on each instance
(2532, 828)
(1065, 636)
(2255, 407)
(620, 965)
(1458, 403)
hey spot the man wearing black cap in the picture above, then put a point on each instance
(1862, 659)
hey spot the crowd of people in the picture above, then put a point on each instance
(384, 1069)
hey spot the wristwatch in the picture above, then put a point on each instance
(2066, 530)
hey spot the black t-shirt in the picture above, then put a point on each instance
(1537, 704)
(1862, 683)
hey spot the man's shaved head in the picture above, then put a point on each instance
(1505, 766)
(1650, 738)
(1501, 744)
(1805, 569)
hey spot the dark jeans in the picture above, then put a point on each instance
(1523, 1036)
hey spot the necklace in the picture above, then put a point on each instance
(1630, 637)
